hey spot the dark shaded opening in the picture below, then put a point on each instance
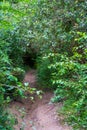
(30, 60)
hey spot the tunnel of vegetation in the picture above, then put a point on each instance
(30, 60)
(49, 36)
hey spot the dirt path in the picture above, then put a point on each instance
(37, 115)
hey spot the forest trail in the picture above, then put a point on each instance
(39, 114)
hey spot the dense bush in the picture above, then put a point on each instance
(15, 39)
(11, 74)
(6, 120)
(69, 78)
(10, 85)
(63, 63)
(56, 33)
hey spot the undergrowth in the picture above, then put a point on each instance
(56, 34)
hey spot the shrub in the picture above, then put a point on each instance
(69, 79)
(64, 34)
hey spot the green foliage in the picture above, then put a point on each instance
(69, 80)
(43, 72)
(11, 74)
(63, 64)
(56, 31)
(6, 121)
(9, 86)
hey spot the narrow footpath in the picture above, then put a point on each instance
(39, 114)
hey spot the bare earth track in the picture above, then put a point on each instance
(37, 115)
